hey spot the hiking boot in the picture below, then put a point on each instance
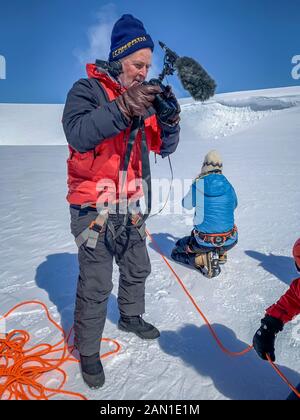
(201, 260)
(138, 326)
(208, 264)
(223, 258)
(92, 371)
(215, 270)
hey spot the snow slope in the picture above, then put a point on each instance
(258, 135)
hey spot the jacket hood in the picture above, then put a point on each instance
(216, 185)
(94, 73)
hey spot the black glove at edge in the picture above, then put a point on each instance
(264, 338)
(166, 105)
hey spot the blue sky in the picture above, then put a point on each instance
(242, 44)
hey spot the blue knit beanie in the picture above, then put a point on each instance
(128, 35)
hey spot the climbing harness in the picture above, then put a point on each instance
(216, 239)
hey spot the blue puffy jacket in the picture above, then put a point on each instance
(214, 200)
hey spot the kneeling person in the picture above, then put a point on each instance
(214, 233)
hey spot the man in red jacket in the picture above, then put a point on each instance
(278, 315)
(111, 124)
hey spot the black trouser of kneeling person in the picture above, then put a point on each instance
(187, 248)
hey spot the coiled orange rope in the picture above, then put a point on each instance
(220, 344)
(22, 370)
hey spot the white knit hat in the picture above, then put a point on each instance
(212, 162)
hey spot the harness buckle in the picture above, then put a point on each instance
(96, 227)
(219, 240)
(136, 218)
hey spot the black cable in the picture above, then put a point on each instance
(172, 179)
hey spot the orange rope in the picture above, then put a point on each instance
(23, 369)
(248, 349)
(277, 370)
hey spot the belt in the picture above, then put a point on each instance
(89, 207)
(76, 207)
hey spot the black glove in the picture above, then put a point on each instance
(264, 339)
(166, 105)
(172, 101)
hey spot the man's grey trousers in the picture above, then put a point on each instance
(95, 277)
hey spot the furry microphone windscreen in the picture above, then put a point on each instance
(195, 79)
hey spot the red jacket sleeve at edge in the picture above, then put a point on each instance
(288, 305)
